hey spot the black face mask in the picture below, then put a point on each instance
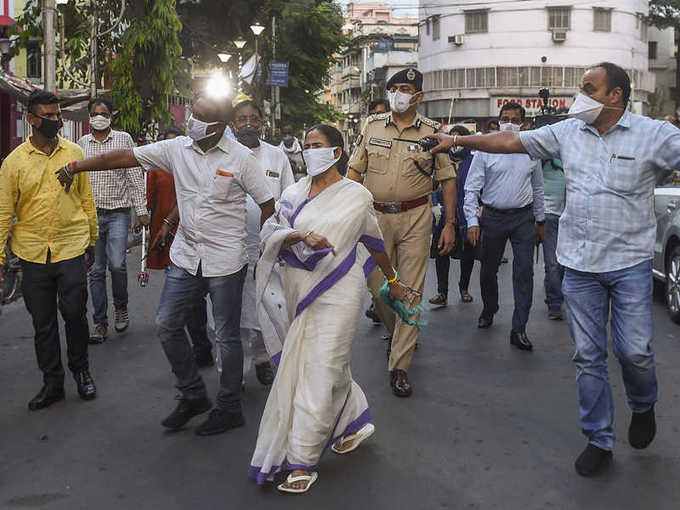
(49, 128)
(288, 140)
(248, 136)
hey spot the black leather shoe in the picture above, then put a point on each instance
(185, 410)
(642, 429)
(521, 341)
(264, 373)
(220, 421)
(47, 396)
(592, 460)
(485, 321)
(400, 385)
(204, 358)
(373, 315)
(85, 383)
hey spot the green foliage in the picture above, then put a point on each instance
(664, 13)
(143, 71)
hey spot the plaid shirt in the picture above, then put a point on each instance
(115, 189)
(608, 222)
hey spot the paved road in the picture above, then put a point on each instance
(488, 426)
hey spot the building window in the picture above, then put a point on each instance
(476, 22)
(559, 18)
(653, 47)
(643, 28)
(435, 28)
(427, 26)
(33, 60)
(602, 19)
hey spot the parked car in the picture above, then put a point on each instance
(667, 246)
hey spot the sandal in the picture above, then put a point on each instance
(465, 296)
(310, 479)
(364, 433)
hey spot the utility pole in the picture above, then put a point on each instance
(93, 52)
(50, 44)
(275, 98)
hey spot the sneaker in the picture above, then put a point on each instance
(439, 300)
(85, 383)
(642, 429)
(99, 335)
(592, 460)
(220, 421)
(185, 410)
(264, 373)
(122, 320)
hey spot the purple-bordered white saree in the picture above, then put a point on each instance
(309, 305)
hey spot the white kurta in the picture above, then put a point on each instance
(309, 304)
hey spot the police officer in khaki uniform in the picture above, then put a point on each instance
(401, 176)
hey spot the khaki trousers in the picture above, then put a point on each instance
(407, 240)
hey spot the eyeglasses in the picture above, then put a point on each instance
(248, 119)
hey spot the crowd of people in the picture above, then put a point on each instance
(285, 241)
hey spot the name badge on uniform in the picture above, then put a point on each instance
(413, 148)
(272, 173)
(224, 173)
(380, 143)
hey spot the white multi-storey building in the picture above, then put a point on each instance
(477, 55)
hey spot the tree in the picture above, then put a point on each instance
(666, 14)
(141, 58)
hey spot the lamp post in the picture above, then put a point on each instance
(257, 30)
(239, 43)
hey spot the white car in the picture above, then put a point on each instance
(667, 246)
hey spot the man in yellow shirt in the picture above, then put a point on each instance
(53, 234)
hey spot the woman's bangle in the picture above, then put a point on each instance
(394, 280)
(168, 222)
(73, 167)
(455, 138)
(307, 234)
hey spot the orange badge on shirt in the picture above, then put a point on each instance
(224, 174)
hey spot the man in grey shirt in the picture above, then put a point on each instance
(612, 160)
(511, 189)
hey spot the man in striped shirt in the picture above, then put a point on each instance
(114, 193)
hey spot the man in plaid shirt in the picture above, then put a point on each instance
(114, 193)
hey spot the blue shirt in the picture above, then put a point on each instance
(505, 181)
(608, 222)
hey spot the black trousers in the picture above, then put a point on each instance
(443, 264)
(44, 287)
(496, 229)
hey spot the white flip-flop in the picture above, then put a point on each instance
(363, 433)
(310, 479)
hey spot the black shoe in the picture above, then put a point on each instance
(204, 358)
(642, 429)
(47, 396)
(220, 421)
(485, 321)
(400, 385)
(373, 315)
(85, 383)
(591, 460)
(185, 410)
(521, 341)
(264, 373)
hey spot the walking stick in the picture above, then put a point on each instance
(143, 276)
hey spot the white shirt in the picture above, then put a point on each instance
(276, 167)
(211, 192)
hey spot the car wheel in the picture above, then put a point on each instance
(673, 285)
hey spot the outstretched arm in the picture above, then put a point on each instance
(123, 158)
(505, 142)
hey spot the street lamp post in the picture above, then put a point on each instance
(239, 43)
(257, 30)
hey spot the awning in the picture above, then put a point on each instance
(6, 21)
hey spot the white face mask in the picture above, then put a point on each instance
(319, 160)
(399, 101)
(509, 126)
(586, 109)
(197, 129)
(100, 123)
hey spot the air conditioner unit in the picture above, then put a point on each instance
(457, 39)
(559, 35)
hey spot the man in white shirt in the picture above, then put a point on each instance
(213, 174)
(291, 146)
(246, 127)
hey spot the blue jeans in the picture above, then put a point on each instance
(588, 297)
(181, 292)
(109, 251)
(554, 272)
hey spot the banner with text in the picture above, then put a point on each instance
(532, 104)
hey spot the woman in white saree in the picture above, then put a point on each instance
(317, 250)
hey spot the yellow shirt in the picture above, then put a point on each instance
(47, 216)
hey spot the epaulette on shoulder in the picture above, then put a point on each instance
(432, 123)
